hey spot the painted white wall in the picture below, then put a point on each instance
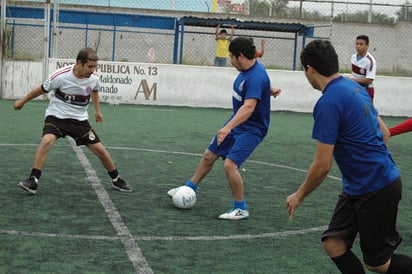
(195, 86)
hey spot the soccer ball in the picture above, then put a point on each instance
(184, 198)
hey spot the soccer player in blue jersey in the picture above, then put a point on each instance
(245, 128)
(347, 128)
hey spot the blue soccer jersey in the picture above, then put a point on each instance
(345, 117)
(253, 83)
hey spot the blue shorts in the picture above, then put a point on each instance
(237, 147)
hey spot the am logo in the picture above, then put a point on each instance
(147, 90)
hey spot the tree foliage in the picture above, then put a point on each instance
(363, 16)
(269, 7)
(405, 13)
(259, 8)
(279, 7)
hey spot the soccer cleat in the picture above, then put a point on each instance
(121, 185)
(235, 214)
(30, 185)
(172, 191)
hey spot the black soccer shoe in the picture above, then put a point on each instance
(121, 185)
(30, 185)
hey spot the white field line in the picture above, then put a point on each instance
(167, 238)
(198, 154)
(133, 251)
(171, 238)
(189, 154)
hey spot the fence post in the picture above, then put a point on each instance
(2, 41)
(46, 39)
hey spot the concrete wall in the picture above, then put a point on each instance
(195, 86)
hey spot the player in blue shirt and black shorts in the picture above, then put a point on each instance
(347, 128)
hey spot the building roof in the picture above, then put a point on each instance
(247, 25)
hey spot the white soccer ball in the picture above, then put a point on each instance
(184, 198)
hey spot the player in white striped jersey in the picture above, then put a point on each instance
(364, 65)
(71, 90)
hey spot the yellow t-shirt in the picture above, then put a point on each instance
(222, 48)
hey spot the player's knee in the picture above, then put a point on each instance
(229, 165)
(48, 140)
(209, 157)
(98, 149)
(334, 247)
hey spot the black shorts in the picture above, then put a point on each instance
(373, 216)
(81, 131)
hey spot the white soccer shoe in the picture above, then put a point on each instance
(173, 191)
(235, 214)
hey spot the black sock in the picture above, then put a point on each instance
(36, 173)
(348, 263)
(400, 264)
(113, 174)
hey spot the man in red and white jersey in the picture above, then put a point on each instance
(364, 65)
(71, 90)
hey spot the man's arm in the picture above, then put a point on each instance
(232, 33)
(217, 32)
(318, 170)
(36, 92)
(97, 113)
(241, 116)
(363, 81)
(262, 47)
(403, 127)
(385, 131)
(275, 92)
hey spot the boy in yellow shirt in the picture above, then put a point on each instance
(222, 46)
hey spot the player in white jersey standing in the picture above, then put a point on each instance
(71, 90)
(364, 65)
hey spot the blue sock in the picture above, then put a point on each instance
(192, 185)
(240, 204)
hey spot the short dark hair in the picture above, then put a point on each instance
(242, 45)
(87, 54)
(321, 55)
(223, 31)
(364, 38)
